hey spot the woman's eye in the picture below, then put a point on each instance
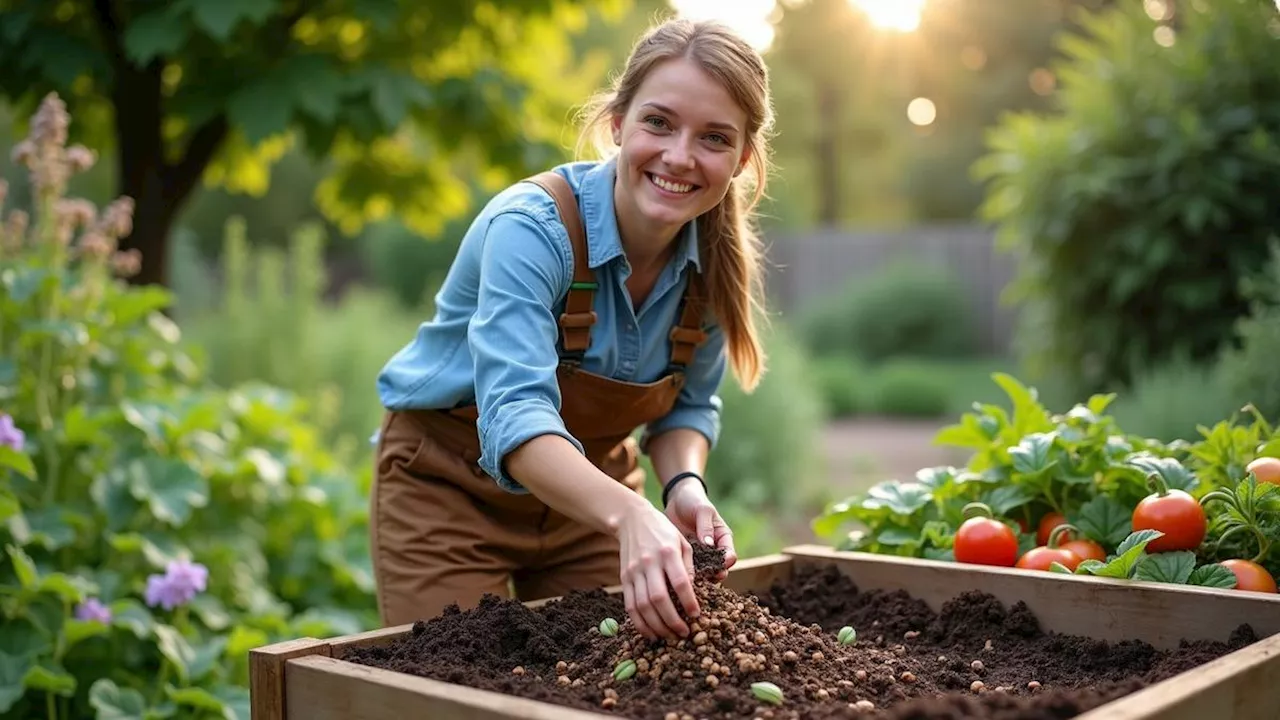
(714, 137)
(656, 121)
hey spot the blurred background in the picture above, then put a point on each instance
(1082, 193)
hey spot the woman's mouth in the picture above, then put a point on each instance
(670, 188)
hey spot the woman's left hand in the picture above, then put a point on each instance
(692, 512)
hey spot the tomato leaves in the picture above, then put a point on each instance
(1105, 520)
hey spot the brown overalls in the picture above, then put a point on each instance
(444, 532)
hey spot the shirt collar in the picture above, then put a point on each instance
(604, 243)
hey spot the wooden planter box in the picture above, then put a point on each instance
(307, 679)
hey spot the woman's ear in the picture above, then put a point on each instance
(742, 162)
(615, 126)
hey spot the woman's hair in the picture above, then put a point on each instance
(730, 245)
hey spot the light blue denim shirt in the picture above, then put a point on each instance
(494, 338)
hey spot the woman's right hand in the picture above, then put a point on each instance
(655, 554)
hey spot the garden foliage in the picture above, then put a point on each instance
(155, 527)
(1160, 165)
(1028, 463)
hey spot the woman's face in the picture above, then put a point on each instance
(682, 142)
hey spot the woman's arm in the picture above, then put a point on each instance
(654, 555)
(686, 450)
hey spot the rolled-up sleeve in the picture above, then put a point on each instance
(698, 406)
(512, 338)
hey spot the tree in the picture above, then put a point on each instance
(391, 93)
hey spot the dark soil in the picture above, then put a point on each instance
(974, 659)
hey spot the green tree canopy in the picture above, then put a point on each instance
(395, 95)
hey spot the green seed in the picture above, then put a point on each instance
(767, 692)
(624, 670)
(608, 627)
(847, 635)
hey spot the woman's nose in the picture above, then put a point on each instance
(679, 154)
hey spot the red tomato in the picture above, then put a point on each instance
(1251, 576)
(1086, 549)
(1042, 557)
(1047, 524)
(983, 540)
(1267, 469)
(1174, 513)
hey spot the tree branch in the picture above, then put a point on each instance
(180, 177)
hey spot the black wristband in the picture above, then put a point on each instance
(666, 491)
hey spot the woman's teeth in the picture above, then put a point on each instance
(669, 186)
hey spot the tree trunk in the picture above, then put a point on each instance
(827, 157)
(158, 188)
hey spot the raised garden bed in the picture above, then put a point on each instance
(1045, 646)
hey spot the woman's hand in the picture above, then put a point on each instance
(693, 514)
(655, 554)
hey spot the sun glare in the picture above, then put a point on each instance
(751, 18)
(900, 15)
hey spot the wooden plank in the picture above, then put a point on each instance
(371, 638)
(321, 688)
(266, 675)
(1240, 686)
(1161, 614)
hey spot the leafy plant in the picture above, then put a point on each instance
(157, 527)
(1117, 203)
(1081, 469)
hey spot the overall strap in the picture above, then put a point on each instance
(578, 316)
(688, 334)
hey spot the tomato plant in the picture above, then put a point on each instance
(1050, 521)
(983, 540)
(1266, 469)
(1173, 512)
(1043, 557)
(1076, 542)
(1250, 575)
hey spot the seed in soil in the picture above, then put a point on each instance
(786, 637)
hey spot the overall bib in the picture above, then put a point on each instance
(443, 531)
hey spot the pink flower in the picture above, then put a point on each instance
(93, 609)
(181, 581)
(10, 434)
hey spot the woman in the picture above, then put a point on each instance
(586, 303)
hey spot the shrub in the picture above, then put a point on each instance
(1136, 209)
(911, 389)
(902, 311)
(157, 527)
(1250, 371)
(842, 385)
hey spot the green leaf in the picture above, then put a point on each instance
(140, 302)
(9, 505)
(1105, 520)
(69, 588)
(1127, 555)
(110, 493)
(195, 698)
(115, 703)
(393, 94)
(157, 32)
(220, 17)
(207, 657)
(1167, 567)
(1213, 575)
(210, 611)
(19, 637)
(1005, 498)
(133, 616)
(897, 536)
(23, 567)
(236, 700)
(262, 108)
(1029, 416)
(171, 488)
(176, 649)
(77, 631)
(899, 497)
(158, 549)
(1170, 470)
(12, 671)
(1031, 455)
(17, 462)
(48, 678)
(49, 528)
(325, 86)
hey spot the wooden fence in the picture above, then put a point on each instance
(804, 267)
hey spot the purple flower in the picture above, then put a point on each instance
(10, 434)
(181, 581)
(92, 609)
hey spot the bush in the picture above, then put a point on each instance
(842, 385)
(270, 323)
(157, 527)
(1173, 400)
(1160, 167)
(910, 389)
(1250, 371)
(903, 311)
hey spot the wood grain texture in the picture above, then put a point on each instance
(267, 675)
(1161, 614)
(321, 688)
